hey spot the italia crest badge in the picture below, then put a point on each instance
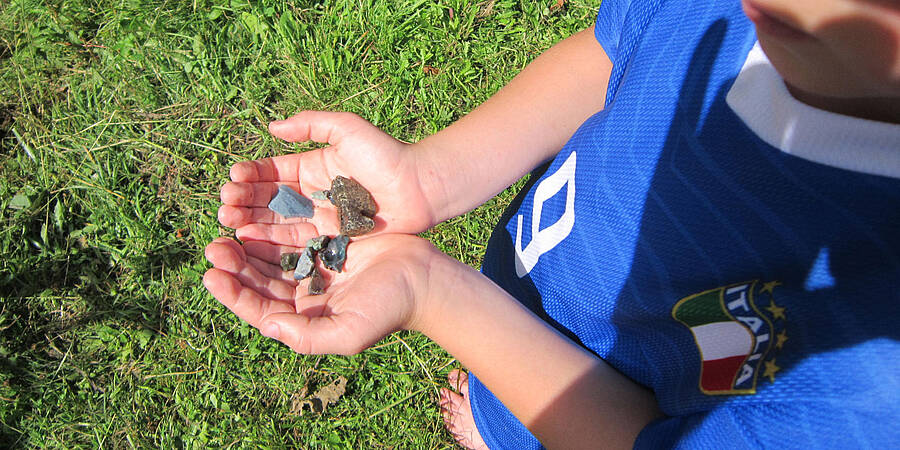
(734, 338)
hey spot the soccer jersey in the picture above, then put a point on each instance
(733, 250)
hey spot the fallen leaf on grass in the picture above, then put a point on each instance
(557, 5)
(319, 401)
(486, 9)
(430, 70)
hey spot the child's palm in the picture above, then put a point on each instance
(374, 296)
(383, 165)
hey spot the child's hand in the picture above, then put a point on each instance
(386, 167)
(382, 286)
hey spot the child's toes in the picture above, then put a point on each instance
(444, 397)
(458, 380)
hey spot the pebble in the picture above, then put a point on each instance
(353, 223)
(318, 243)
(305, 264)
(316, 283)
(335, 253)
(289, 261)
(290, 204)
(355, 205)
(346, 192)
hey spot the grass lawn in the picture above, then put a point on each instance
(118, 123)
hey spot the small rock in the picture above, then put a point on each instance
(305, 264)
(320, 195)
(316, 283)
(346, 192)
(289, 260)
(355, 206)
(317, 243)
(290, 204)
(354, 223)
(335, 253)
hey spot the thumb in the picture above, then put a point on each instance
(319, 126)
(312, 335)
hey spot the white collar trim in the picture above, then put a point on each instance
(760, 98)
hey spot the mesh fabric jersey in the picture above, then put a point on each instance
(754, 291)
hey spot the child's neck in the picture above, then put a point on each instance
(882, 109)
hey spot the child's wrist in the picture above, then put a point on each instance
(449, 283)
(433, 178)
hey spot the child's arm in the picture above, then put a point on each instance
(522, 125)
(566, 396)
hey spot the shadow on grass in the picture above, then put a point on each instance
(37, 324)
(6, 120)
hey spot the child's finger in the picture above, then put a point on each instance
(237, 257)
(327, 334)
(228, 255)
(309, 169)
(295, 234)
(238, 216)
(252, 194)
(247, 303)
(235, 216)
(270, 253)
(284, 168)
(318, 126)
(273, 271)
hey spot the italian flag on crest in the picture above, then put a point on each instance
(732, 337)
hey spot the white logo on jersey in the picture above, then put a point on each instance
(544, 240)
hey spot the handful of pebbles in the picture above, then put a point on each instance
(356, 207)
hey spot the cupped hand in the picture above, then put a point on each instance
(386, 167)
(381, 290)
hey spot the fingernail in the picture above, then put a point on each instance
(271, 331)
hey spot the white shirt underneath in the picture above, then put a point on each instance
(760, 98)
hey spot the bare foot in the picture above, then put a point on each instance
(457, 412)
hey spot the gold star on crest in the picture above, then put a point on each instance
(770, 370)
(781, 339)
(777, 311)
(769, 287)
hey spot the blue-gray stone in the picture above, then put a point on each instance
(335, 253)
(320, 195)
(306, 264)
(290, 204)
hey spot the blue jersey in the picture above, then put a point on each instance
(710, 238)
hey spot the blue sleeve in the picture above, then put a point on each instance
(608, 28)
(788, 425)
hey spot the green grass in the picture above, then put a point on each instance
(118, 123)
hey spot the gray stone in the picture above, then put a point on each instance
(335, 253)
(305, 264)
(320, 195)
(290, 204)
(289, 260)
(318, 243)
